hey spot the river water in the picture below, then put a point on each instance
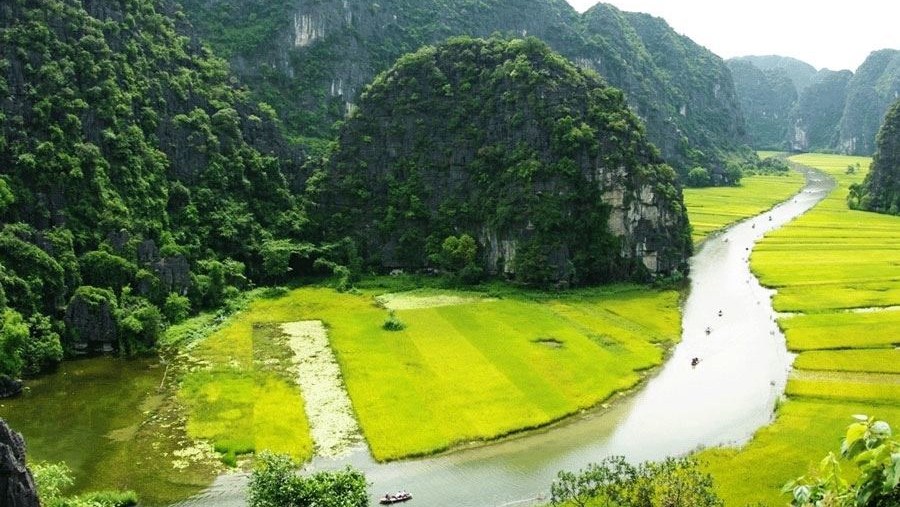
(742, 370)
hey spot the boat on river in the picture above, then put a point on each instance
(400, 496)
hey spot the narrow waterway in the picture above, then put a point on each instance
(742, 370)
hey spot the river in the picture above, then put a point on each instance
(742, 371)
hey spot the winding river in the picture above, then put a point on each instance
(742, 370)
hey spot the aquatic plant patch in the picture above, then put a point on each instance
(121, 431)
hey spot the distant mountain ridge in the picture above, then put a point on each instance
(311, 59)
(836, 111)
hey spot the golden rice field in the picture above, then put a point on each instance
(713, 208)
(839, 271)
(457, 372)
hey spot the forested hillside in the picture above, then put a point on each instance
(767, 98)
(507, 143)
(832, 111)
(881, 190)
(311, 59)
(817, 114)
(137, 181)
(874, 87)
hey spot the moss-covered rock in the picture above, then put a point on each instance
(506, 141)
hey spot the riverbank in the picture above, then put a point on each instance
(825, 264)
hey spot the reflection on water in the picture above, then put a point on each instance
(742, 369)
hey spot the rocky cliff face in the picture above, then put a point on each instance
(17, 487)
(871, 91)
(508, 142)
(881, 190)
(815, 119)
(833, 111)
(767, 98)
(311, 59)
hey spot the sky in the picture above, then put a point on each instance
(831, 34)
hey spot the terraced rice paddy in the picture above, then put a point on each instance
(713, 208)
(826, 266)
(474, 370)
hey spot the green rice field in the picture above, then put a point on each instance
(457, 373)
(714, 208)
(838, 271)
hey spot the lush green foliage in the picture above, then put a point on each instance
(130, 163)
(615, 482)
(52, 479)
(499, 140)
(312, 61)
(275, 482)
(471, 369)
(869, 446)
(881, 189)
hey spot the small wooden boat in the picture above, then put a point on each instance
(400, 496)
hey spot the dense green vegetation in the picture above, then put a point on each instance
(312, 61)
(276, 483)
(868, 444)
(880, 191)
(138, 182)
(826, 266)
(52, 479)
(615, 482)
(506, 141)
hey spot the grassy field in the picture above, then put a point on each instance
(714, 208)
(825, 265)
(456, 373)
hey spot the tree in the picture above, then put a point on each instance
(614, 483)
(13, 335)
(868, 445)
(275, 483)
(459, 257)
(698, 177)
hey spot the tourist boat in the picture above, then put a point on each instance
(400, 496)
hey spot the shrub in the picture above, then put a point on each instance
(670, 483)
(53, 478)
(698, 177)
(869, 446)
(275, 483)
(176, 308)
(393, 323)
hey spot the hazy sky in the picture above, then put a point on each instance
(830, 33)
